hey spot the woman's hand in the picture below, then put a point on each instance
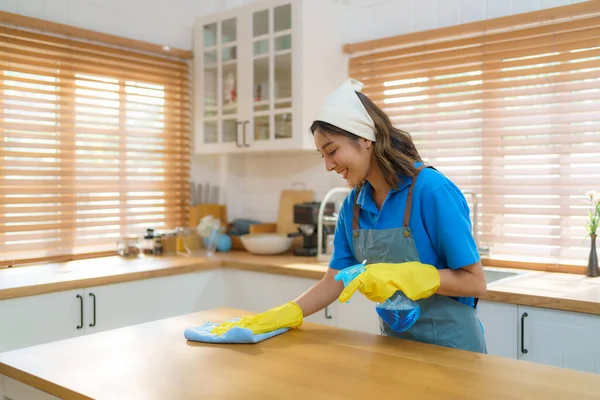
(381, 280)
(288, 315)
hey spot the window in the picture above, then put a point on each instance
(508, 109)
(94, 146)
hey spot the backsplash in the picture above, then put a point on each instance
(255, 181)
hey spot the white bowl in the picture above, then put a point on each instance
(266, 243)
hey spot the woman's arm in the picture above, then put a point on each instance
(322, 294)
(327, 290)
(448, 225)
(463, 282)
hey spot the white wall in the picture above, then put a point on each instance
(170, 22)
(258, 179)
(373, 19)
(167, 22)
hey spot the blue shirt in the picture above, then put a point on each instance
(439, 222)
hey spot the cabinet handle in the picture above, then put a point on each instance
(523, 349)
(327, 315)
(93, 296)
(244, 133)
(80, 311)
(237, 136)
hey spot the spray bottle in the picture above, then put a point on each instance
(398, 312)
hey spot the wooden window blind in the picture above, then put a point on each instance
(94, 146)
(509, 109)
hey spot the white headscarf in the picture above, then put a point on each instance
(343, 109)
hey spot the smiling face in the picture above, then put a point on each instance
(346, 156)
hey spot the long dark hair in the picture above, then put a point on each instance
(394, 150)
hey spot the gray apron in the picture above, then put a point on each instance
(443, 321)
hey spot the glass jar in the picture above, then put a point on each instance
(148, 245)
(128, 246)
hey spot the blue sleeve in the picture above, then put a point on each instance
(447, 221)
(343, 255)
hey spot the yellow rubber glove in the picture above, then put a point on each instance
(381, 280)
(288, 315)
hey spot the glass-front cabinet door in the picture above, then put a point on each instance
(243, 78)
(219, 80)
(271, 74)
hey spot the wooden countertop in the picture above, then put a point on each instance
(569, 292)
(48, 278)
(154, 361)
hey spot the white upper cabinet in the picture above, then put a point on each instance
(261, 72)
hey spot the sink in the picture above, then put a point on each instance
(500, 274)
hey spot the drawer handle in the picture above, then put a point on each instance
(237, 134)
(327, 315)
(523, 349)
(80, 311)
(93, 296)
(244, 133)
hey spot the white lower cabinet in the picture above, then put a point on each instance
(260, 291)
(499, 322)
(32, 320)
(559, 338)
(129, 303)
(358, 315)
(545, 336)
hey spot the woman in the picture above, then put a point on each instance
(409, 222)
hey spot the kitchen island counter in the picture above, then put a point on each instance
(154, 361)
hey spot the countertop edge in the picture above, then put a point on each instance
(299, 269)
(183, 266)
(40, 384)
(552, 303)
(289, 270)
(51, 287)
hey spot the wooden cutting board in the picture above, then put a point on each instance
(285, 216)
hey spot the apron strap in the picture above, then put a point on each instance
(409, 197)
(356, 209)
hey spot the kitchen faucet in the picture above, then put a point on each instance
(483, 250)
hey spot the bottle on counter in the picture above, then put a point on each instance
(158, 246)
(169, 242)
(148, 242)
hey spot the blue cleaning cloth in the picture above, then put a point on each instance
(234, 335)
